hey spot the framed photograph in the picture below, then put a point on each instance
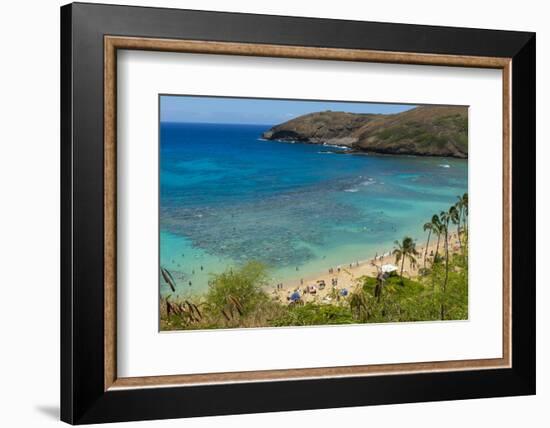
(266, 213)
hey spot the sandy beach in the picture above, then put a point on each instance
(346, 275)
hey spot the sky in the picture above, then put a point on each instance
(256, 111)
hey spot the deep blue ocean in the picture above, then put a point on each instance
(227, 196)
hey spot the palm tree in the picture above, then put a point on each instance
(460, 210)
(380, 280)
(437, 229)
(403, 250)
(429, 227)
(462, 206)
(445, 219)
(454, 214)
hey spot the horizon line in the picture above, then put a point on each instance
(218, 123)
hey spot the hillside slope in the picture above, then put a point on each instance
(424, 131)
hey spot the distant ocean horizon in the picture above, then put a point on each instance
(227, 197)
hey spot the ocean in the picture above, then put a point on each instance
(227, 196)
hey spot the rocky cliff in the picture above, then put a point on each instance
(424, 131)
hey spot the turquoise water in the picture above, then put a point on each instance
(226, 197)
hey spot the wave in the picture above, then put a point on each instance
(444, 165)
(352, 190)
(286, 141)
(368, 182)
(336, 146)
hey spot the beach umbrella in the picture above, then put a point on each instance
(295, 296)
(344, 292)
(388, 268)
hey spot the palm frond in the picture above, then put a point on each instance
(168, 278)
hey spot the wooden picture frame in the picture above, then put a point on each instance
(91, 390)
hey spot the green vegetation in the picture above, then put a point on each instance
(315, 314)
(404, 250)
(240, 290)
(439, 132)
(237, 298)
(455, 121)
